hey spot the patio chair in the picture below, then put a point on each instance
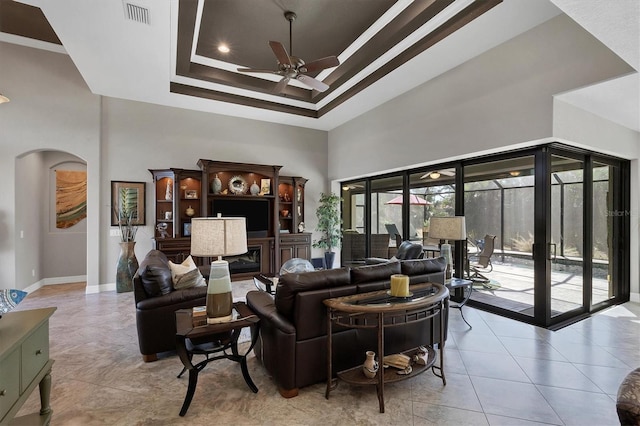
(394, 234)
(480, 263)
(406, 250)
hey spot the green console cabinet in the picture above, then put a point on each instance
(25, 364)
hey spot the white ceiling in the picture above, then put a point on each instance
(123, 59)
(617, 25)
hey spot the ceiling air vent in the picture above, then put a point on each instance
(136, 13)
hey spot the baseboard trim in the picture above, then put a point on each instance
(65, 280)
(93, 289)
(33, 287)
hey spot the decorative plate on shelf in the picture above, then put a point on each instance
(238, 185)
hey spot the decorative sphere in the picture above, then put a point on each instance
(296, 266)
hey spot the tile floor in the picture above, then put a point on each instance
(501, 372)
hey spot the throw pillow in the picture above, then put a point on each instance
(186, 274)
(9, 298)
(178, 269)
(193, 278)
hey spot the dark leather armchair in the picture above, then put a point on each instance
(156, 304)
(406, 251)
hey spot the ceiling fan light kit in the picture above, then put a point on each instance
(293, 67)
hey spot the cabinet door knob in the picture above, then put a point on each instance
(3, 392)
(39, 352)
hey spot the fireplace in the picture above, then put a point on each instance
(247, 263)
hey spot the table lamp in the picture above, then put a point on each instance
(218, 236)
(447, 228)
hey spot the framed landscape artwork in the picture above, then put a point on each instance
(128, 197)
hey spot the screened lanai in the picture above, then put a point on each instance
(571, 202)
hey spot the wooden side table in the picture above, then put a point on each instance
(195, 336)
(380, 310)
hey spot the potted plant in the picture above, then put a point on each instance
(329, 221)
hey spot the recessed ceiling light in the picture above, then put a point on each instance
(223, 48)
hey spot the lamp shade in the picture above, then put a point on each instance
(218, 236)
(448, 228)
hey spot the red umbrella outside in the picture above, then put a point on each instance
(414, 200)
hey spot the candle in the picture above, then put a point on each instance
(399, 285)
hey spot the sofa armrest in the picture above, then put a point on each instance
(263, 305)
(276, 347)
(174, 298)
(375, 260)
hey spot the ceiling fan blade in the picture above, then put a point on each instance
(256, 70)
(280, 52)
(320, 64)
(313, 83)
(281, 85)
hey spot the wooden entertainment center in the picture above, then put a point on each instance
(272, 204)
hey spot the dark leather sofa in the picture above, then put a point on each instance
(293, 323)
(156, 303)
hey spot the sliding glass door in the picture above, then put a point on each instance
(354, 213)
(432, 193)
(567, 247)
(606, 219)
(555, 219)
(499, 202)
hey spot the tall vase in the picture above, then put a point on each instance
(127, 267)
(216, 185)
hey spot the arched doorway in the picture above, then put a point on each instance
(50, 248)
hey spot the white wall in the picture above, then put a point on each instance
(43, 252)
(139, 136)
(500, 100)
(51, 109)
(582, 128)
(29, 177)
(64, 251)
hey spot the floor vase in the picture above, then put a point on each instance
(127, 267)
(329, 257)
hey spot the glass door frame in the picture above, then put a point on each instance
(542, 154)
(542, 253)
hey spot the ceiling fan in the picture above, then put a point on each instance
(352, 186)
(292, 67)
(435, 174)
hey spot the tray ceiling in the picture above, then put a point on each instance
(370, 37)
(165, 51)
